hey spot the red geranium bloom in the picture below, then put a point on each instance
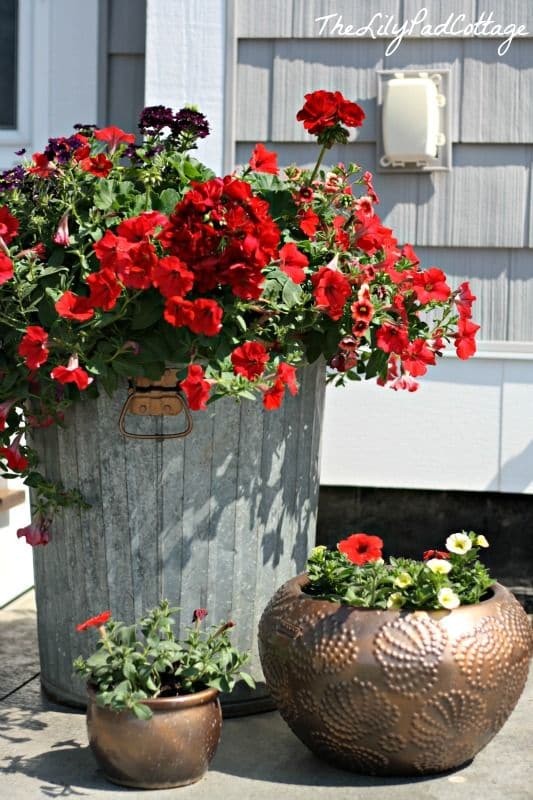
(351, 114)
(392, 338)
(465, 343)
(6, 268)
(178, 312)
(207, 317)
(171, 277)
(292, 262)
(287, 374)
(35, 533)
(105, 289)
(94, 622)
(431, 285)
(308, 222)
(136, 271)
(15, 460)
(72, 373)
(416, 358)
(199, 614)
(263, 160)
(72, 306)
(331, 289)
(98, 165)
(273, 397)
(114, 136)
(33, 348)
(319, 111)
(9, 225)
(249, 360)
(113, 252)
(435, 554)
(360, 548)
(464, 300)
(43, 168)
(196, 388)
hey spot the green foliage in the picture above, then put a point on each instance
(128, 667)
(400, 583)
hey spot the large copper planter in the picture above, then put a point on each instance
(173, 748)
(394, 692)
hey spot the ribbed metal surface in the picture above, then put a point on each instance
(219, 519)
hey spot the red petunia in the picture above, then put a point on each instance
(263, 160)
(431, 285)
(360, 548)
(308, 222)
(249, 360)
(114, 136)
(72, 373)
(417, 357)
(273, 397)
(15, 460)
(35, 533)
(465, 343)
(6, 268)
(331, 289)
(94, 622)
(138, 228)
(207, 317)
(409, 253)
(287, 375)
(72, 306)
(196, 388)
(362, 310)
(9, 225)
(171, 277)
(33, 348)
(435, 554)
(98, 165)
(43, 168)
(392, 338)
(464, 300)
(105, 289)
(292, 262)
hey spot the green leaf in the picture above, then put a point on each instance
(104, 195)
(377, 363)
(142, 711)
(292, 293)
(249, 681)
(168, 200)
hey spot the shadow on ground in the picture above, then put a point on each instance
(266, 750)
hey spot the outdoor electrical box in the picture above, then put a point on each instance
(414, 133)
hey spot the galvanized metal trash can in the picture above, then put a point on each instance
(218, 519)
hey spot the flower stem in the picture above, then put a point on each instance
(318, 163)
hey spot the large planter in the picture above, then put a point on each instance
(173, 748)
(394, 692)
(217, 519)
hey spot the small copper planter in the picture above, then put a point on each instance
(173, 748)
(394, 692)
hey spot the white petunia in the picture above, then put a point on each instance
(459, 543)
(439, 566)
(448, 598)
(481, 541)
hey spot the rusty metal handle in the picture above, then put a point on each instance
(156, 436)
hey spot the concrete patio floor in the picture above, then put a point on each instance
(44, 751)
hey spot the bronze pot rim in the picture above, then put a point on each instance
(168, 703)
(295, 586)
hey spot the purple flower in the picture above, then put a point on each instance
(191, 123)
(61, 149)
(20, 152)
(12, 178)
(154, 118)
